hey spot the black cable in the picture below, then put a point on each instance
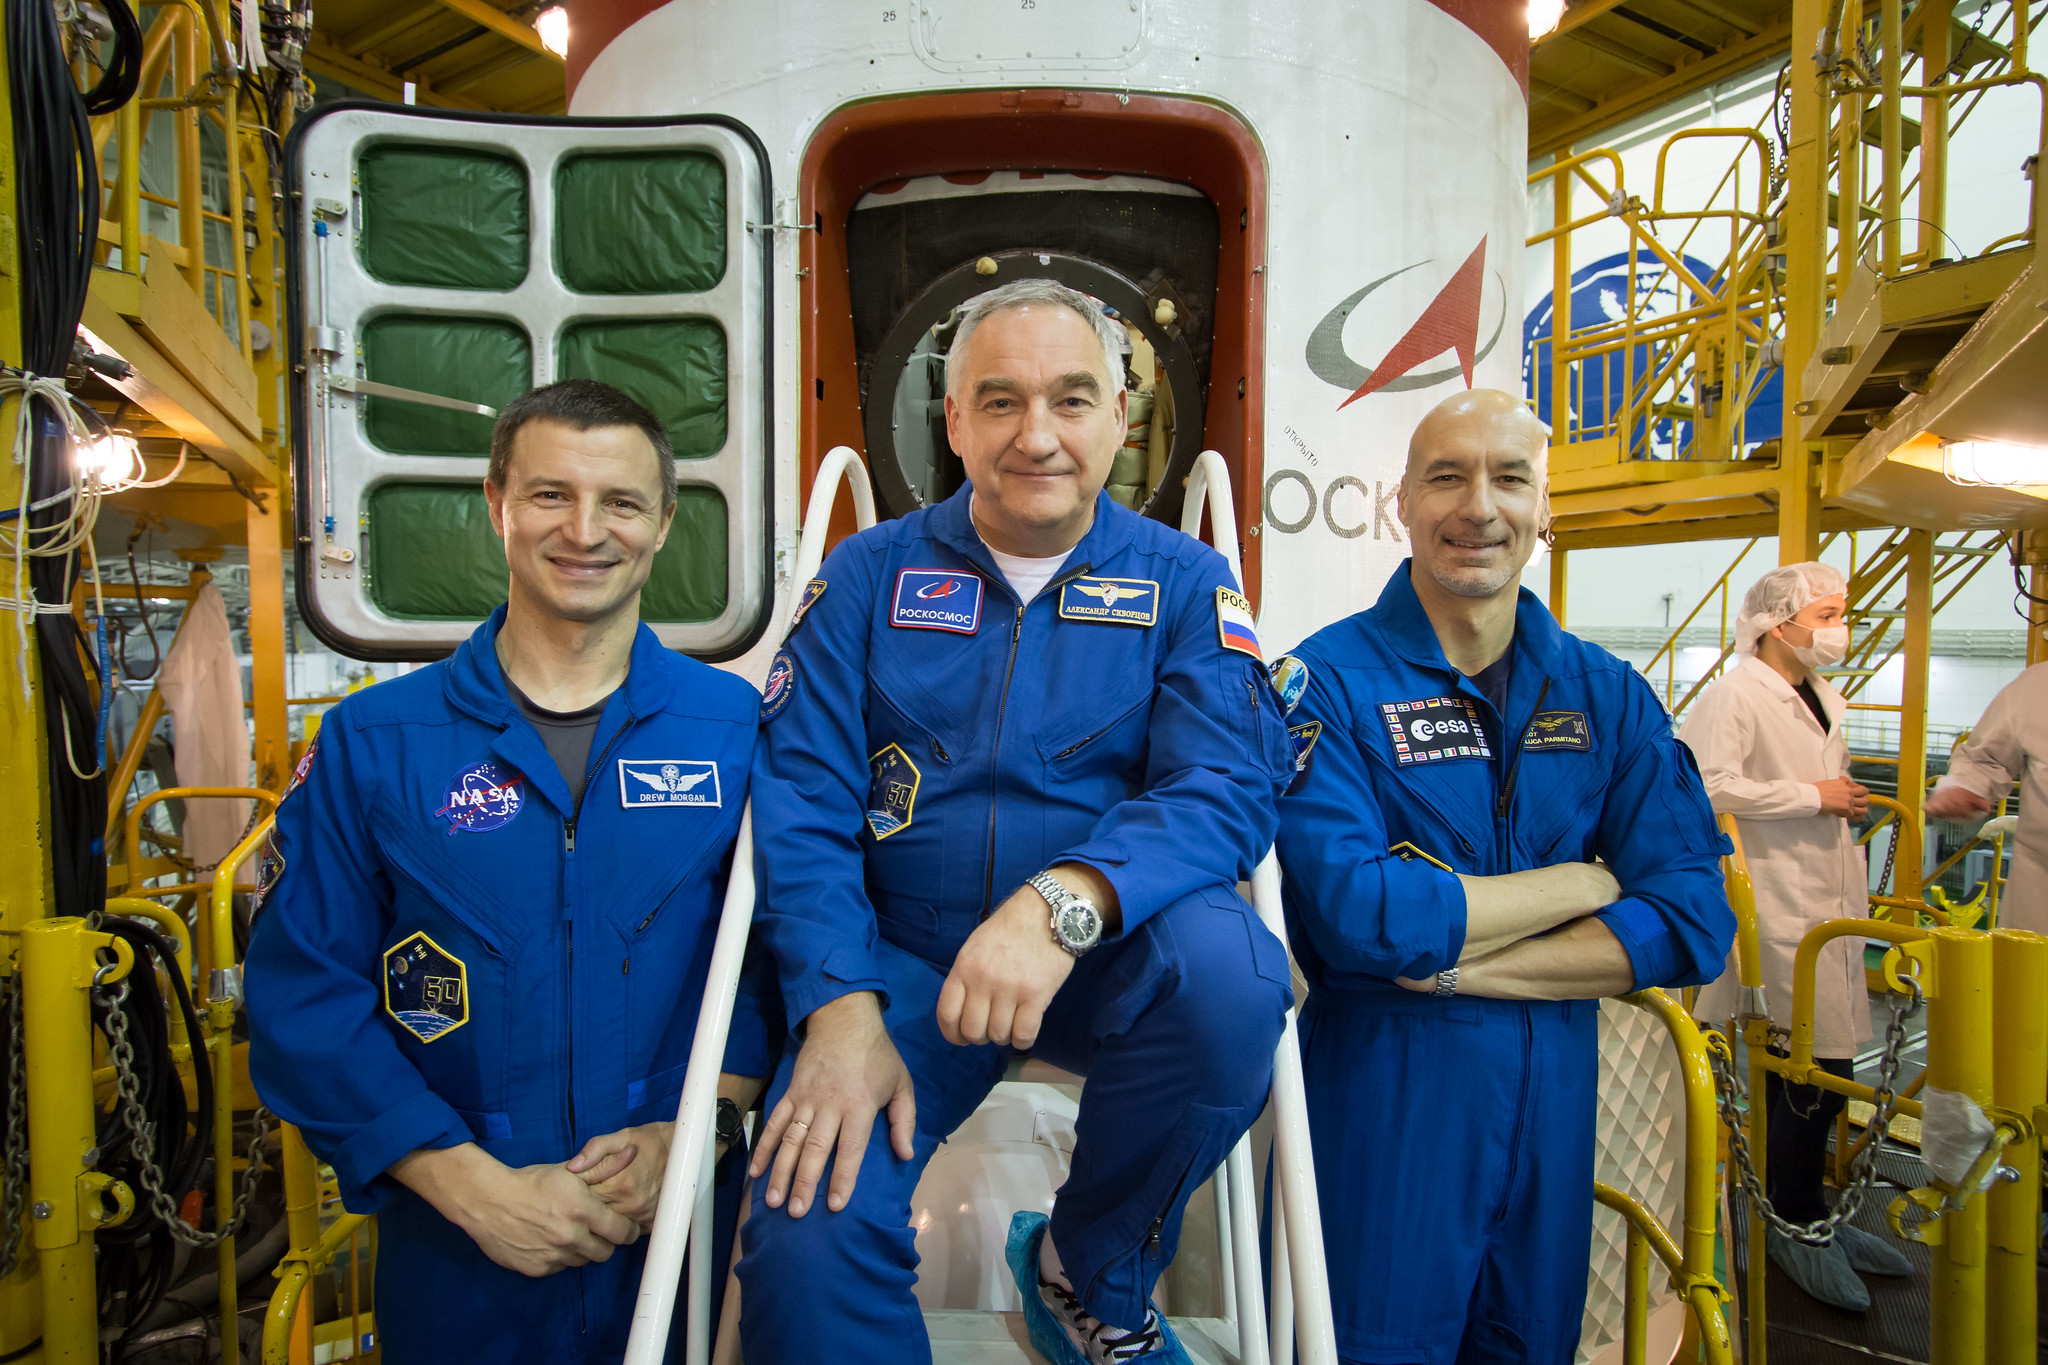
(156, 654)
(57, 211)
(137, 1258)
(117, 84)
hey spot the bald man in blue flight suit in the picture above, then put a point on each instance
(1461, 763)
(489, 911)
(1016, 755)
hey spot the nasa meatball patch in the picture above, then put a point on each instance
(1433, 729)
(1121, 601)
(937, 599)
(426, 988)
(480, 798)
(645, 782)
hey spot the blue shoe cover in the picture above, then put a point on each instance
(1871, 1254)
(1823, 1272)
(1048, 1338)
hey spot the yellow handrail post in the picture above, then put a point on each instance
(68, 1197)
(1959, 1023)
(1635, 1330)
(2019, 1085)
(222, 997)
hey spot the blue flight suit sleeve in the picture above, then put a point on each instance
(810, 775)
(1658, 836)
(318, 1053)
(1216, 759)
(1365, 910)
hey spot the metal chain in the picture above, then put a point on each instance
(151, 1176)
(1730, 1096)
(15, 1179)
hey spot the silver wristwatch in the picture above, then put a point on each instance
(1447, 981)
(1076, 923)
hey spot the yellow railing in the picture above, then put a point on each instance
(1995, 1054)
(1690, 1264)
(137, 870)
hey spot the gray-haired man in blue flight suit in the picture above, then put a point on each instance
(1016, 755)
(1462, 761)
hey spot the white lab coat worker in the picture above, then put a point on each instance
(1768, 737)
(2010, 744)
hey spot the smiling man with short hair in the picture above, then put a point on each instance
(1017, 753)
(474, 982)
(1462, 763)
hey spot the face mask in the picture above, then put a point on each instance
(1827, 647)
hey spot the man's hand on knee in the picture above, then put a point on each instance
(532, 1219)
(1006, 974)
(846, 1071)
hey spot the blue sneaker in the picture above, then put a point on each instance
(1061, 1329)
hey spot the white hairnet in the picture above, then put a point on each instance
(1782, 594)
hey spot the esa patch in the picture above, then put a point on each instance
(1433, 729)
(813, 590)
(937, 599)
(1234, 625)
(892, 791)
(1121, 601)
(481, 797)
(426, 988)
(1558, 730)
(1290, 680)
(781, 685)
(1408, 853)
(1303, 737)
(645, 782)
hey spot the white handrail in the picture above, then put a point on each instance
(686, 1183)
(1301, 1289)
(1294, 1163)
(1211, 476)
(841, 463)
(691, 1143)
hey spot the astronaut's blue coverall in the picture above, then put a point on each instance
(453, 953)
(926, 747)
(1454, 1136)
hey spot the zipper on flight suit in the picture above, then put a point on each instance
(1502, 806)
(988, 887)
(569, 958)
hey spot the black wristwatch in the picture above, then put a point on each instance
(730, 1126)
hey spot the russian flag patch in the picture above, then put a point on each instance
(1234, 625)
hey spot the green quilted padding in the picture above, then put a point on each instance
(480, 360)
(676, 367)
(688, 582)
(457, 217)
(432, 556)
(431, 551)
(640, 222)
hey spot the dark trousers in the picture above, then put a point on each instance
(1800, 1118)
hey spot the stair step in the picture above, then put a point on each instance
(967, 1337)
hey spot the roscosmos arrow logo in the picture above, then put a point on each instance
(1449, 323)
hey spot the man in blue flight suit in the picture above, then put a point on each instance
(474, 981)
(1017, 753)
(1461, 762)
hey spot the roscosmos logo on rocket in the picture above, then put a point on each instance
(1449, 323)
(937, 599)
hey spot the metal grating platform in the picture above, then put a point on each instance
(1804, 1331)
